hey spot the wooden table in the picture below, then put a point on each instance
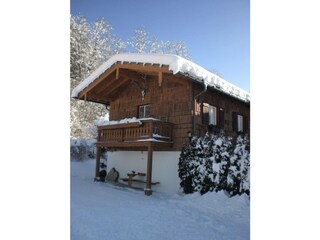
(132, 175)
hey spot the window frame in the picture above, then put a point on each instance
(145, 111)
(240, 123)
(212, 112)
(219, 115)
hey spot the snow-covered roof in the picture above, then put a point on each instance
(176, 64)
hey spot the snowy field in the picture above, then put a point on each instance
(104, 211)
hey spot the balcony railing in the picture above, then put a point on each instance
(142, 130)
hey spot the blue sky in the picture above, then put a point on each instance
(216, 32)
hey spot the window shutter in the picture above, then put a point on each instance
(245, 124)
(205, 118)
(235, 121)
(221, 118)
(205, 114)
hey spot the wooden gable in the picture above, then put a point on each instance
(108, 85)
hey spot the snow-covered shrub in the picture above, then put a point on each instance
(214, 164)
(195, 170)
(188, 153)
(82, 148)
(222, 148)
(203, 178)
(239, 171)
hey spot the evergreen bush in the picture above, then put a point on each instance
(215, 164)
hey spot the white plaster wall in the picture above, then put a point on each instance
(164, 168)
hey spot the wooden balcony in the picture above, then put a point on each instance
(136, 134)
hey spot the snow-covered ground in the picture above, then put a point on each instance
(104, 211)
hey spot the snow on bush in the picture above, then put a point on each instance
(214, 164)
(82, 148)
(239, 173)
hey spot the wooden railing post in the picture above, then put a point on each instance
(121, 132)
(151, 129)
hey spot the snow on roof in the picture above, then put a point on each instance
(176, 64)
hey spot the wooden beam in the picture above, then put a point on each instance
(103, 87)
(115, 86)
(145, 68)
(98, 98)
(97, 81)
(134, 75)
(147, 190)
(140, 145)
(120, 125)
(106, 83)
(160, 79)
(117, 73)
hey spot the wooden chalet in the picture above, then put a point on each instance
(171, 98)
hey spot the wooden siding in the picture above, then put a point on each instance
(171, 102)
(125, 87)
(228, 103)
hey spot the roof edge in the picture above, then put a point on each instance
(176, 64)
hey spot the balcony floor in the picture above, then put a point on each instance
(137, 145)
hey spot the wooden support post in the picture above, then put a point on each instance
(151, 130)
(160, 79)
(147, 190)
(98, 153)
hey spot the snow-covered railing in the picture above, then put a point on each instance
(135, 130)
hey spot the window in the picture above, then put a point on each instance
(240, 123)
(144, 111)
(209, 114)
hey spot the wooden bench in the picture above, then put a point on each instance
(137, 180)
(131, 179)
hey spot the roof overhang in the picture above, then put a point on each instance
(102, 85)
(105, 87)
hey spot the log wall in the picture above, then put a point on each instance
(169, 102)
(173, 102)
(228, 103)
